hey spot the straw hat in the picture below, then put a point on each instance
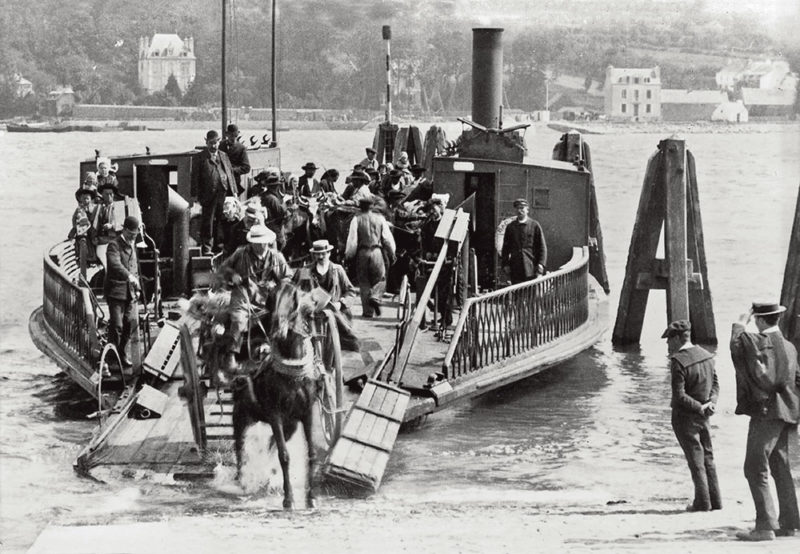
(767, 308)
(320, 246)
(260, 234)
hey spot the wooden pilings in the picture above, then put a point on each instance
(669, 196)
(790, 293)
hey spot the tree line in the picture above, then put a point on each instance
(331, 55)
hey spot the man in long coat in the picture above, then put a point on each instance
(212, 181)
(121, 287)
(272, 200)
(524, 253)
(237, 154)
(368, 235)
(695, 391)
(768, 390)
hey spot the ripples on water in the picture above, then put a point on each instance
(595, 429)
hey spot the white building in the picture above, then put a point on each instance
(633, 93)
(165, 55)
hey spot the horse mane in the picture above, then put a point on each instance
(291, 303)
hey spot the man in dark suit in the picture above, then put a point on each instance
(121, 287)
(212, 181)
(695, 391)
(524, 252)
(237, 154)
(768, 390)
(308, 185)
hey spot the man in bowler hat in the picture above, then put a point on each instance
(524, 252)
(121, 287)
(695, 391)
(237, 154)
(768, 390)
(212, 181)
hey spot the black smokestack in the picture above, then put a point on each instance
(487, 76)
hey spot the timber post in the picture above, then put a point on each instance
(669, 196)
(790, 292)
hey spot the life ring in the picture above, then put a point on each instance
(500, 234)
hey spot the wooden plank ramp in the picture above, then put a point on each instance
(360, 455)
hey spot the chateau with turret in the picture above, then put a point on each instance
(165, 55)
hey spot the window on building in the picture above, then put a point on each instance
(624, 93)
(636, 80)
(649, 94)
(624, 108)
(636, 94)
(647, 79)
(647, 108)
(628, 79)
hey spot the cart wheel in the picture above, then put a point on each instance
(327, 410)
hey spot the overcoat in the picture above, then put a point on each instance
(122, 263)
(207, 183)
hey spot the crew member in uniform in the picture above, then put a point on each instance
(368, 235)
(121, 287)
(524, 253)
(695, 390)
(768, 390)
(254, 271)
(237, 154)
(212, 181)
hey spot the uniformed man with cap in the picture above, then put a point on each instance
(237, 154)
(212, 181)
(768, 390)
(368, 236)
(524, 252)
(695, 390)
(121, 287)
(370, 162)
(254, 271)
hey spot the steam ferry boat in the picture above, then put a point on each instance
(157, 417)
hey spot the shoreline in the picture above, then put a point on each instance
(586, 127)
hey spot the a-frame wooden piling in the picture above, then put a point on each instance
(669, 196)
(790, 293)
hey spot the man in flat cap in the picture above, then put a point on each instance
(121, 288)
(370, 162)
(768, 390)
(695, 390)
(212, 181)
(237, 154)
(524, 252)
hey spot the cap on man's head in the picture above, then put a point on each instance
(520, 202)
(232, 129)
(310, 166)
(212, 135)
(767, 308)
(371, 150)
(131, 223)
(366, 203)
(359, 175)
(676, 328)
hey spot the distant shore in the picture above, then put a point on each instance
(586, 127)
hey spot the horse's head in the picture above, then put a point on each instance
(290, 319)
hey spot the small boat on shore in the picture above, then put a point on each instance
(68, 128)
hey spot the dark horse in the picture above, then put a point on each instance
(283, 390)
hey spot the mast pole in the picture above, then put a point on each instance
(273, 89)
(222, 81)
(387, 39)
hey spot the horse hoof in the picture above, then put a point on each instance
(288, 505)
(311, 503)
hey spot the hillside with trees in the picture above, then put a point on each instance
(330, 52)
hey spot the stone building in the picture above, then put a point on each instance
(633, 93)
(165, 55)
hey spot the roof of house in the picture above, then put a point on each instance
(164, 44)
(20, 80)
(680, 96)
(768, 97)
(615, 74)
(60, 91)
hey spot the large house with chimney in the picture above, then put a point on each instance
(165, 55)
